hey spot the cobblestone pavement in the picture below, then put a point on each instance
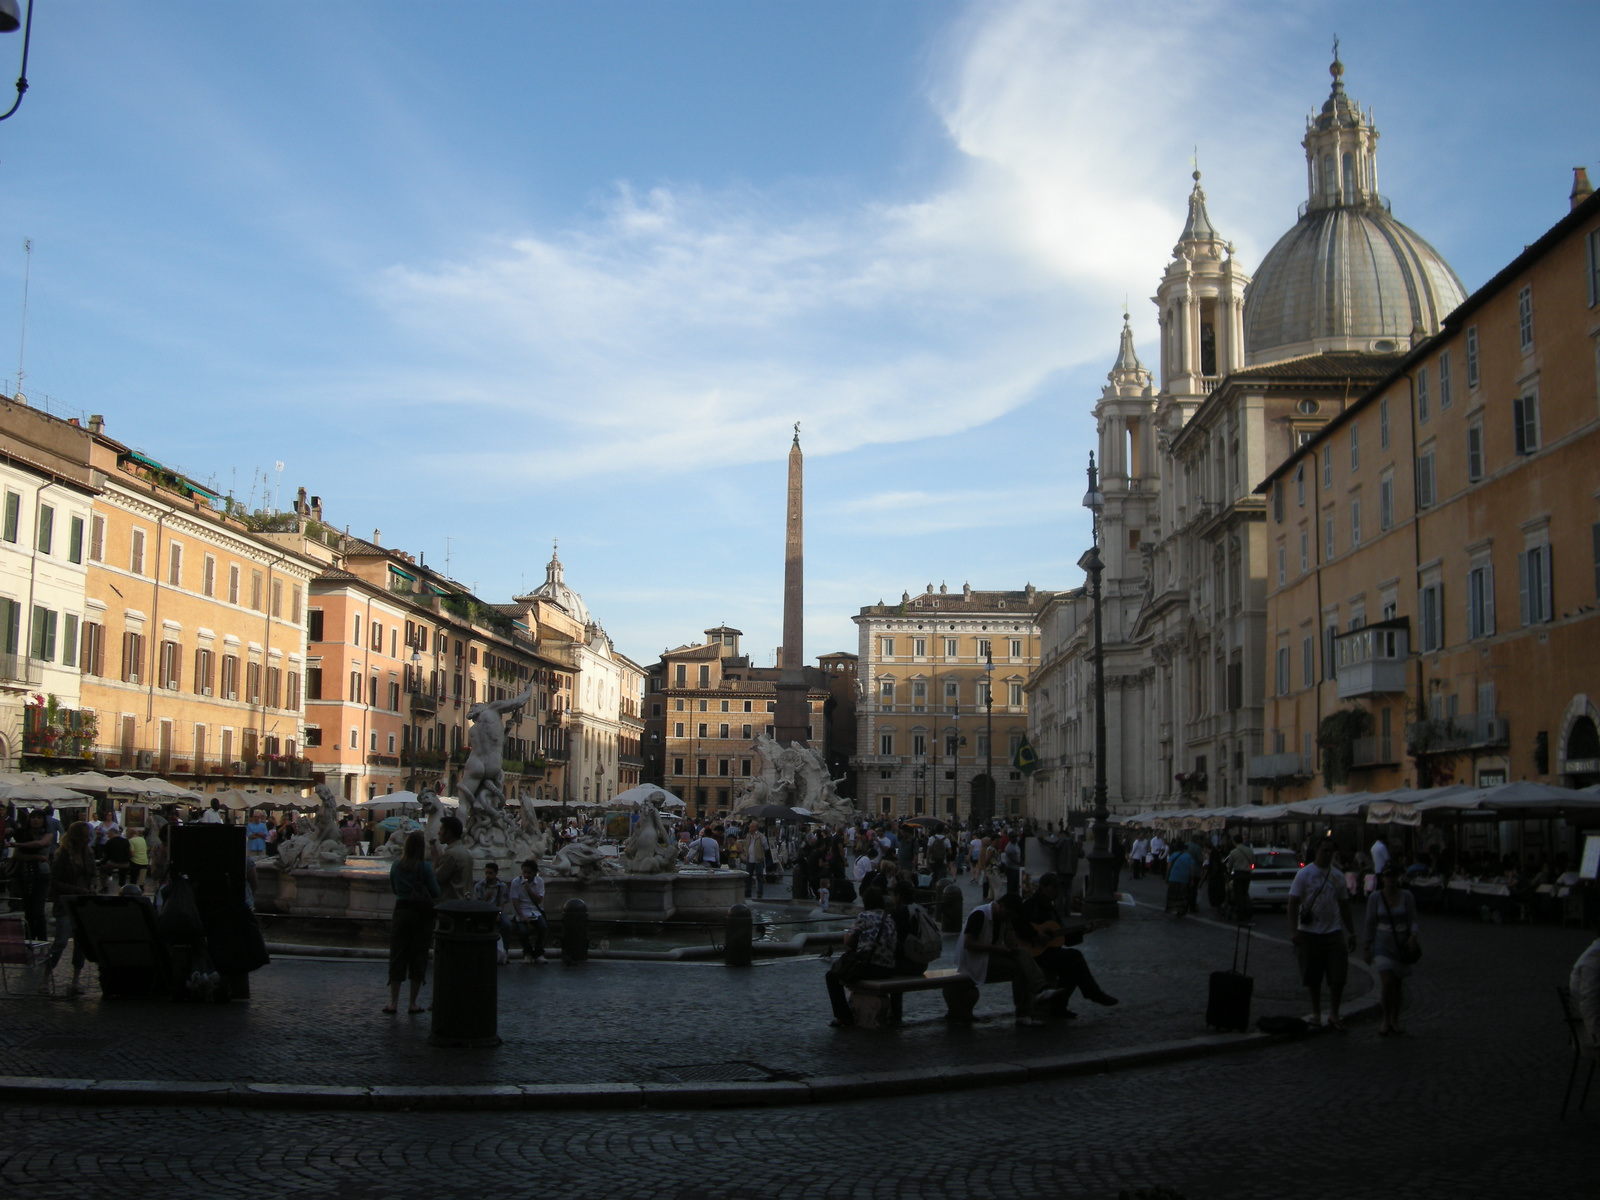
(1465, 1107)
(315, 1021)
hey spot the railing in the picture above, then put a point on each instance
(1277, 769)
(631, 760)
(20, 670)
(1208, 383)
(426, 759)
(1375, 751)
(423, 705)
(1447, 734)
(120, 759)
(383, 760)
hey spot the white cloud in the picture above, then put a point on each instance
(680, 325)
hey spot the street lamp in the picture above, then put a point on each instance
(1101, 902)
(988, 738)
(11, 19)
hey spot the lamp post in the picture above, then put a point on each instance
(1101, 902)
(988, 737)
(10, 21)
(416, 730)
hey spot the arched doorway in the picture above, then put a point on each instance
(1581, 756)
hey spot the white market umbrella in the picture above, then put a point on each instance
(635, 797)
(84, 781)
(392, 802)
(13, 778)
(40, 793)
(139, 787)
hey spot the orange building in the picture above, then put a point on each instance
(1434, 573)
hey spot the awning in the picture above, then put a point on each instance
(402, 574)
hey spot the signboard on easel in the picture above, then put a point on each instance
(1589, 868)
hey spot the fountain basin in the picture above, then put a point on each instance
(359, 891)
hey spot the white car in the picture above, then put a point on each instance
(1271, 875)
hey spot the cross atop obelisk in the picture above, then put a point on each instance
(793, 716)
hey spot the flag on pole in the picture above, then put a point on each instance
(1025, 760)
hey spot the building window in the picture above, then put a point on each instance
(680, 677)
(1277, 501)
(1525, 318)
(1327, 467)
(1305, 551)
(677, 766)
(1283, 670)
(1355, 522)
(1386, 500)
(1425, 480)
(1444, 381)
(47, 528)
(722, 731)
(277, 602)
(97, 539)
(983, 648)
(950, 648)
(257, 597)
(1475, 451)
(886, 743)
(886, 693)
(919, 696)
(919, 647)
(1472, 356)
(1016, 695)
(1016, 647)
(1328, 548)
(230, 677)
(1424, 406)
(1283, 565)
(702, 727)
(1525, 422)
(705, 675)
(1355, 446)
(1308, 660)
(724, 766)
(208, 576)
(677, 729)
(1431, 619)
(136, 552)
(745, 732)
(1300, 485)
(13, 520)
(1593, 244)
(1383, 423)
(1480, 601)
(1330, 665)
(886, 647)
(44, 634)
(1533, 578)
(233, 586)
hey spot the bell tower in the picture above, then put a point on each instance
(1341, 147)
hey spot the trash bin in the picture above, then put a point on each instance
(574, 932)
(737, 950)
(466, 994)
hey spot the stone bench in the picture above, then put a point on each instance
(869, 998)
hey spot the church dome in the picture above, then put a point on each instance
(1348, 276)
(555, 589)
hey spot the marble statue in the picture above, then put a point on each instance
(650, 849)
(430, 810)
(490, 831)
(581, 859)
(796, 776)
(317, 842)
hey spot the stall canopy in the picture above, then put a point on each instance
(41, 793)
(634, 797)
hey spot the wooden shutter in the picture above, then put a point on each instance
(1522, 587)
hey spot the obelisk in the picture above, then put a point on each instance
(794, 711)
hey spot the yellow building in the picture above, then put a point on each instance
(928, 669)
(1442, 623)
(192, 647)
(715, 704)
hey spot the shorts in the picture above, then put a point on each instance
(1323, 956)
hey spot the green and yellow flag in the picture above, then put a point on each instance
(1025, 760)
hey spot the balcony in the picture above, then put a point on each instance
(1375, 751)
(1372, 661)
(383, 760)
(631, 760)
(423, 705)
(173, 762)
(1447, 735)
(1278, 770)
(18, 670)
(427, 760)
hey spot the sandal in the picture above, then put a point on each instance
(390, 1010)
(1337, 1024)
(416, 1009)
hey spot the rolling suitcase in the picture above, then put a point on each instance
(1229, 1003)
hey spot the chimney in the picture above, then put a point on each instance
(377, 537)
(300, 509)
(96, 423)
(1582, 189)
(316, 508)
(966, 591)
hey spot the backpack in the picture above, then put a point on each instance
(938, 849)
(924, 943)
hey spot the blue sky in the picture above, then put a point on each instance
(500, 272)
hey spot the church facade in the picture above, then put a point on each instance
(1248, 369)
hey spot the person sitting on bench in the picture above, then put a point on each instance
(991, 949)
(869, 953)
(1044, 937)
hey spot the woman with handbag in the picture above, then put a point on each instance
(1391, 942)
(415, 889)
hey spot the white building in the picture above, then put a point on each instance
(45, 499)
(1248, 369)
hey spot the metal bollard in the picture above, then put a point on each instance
(950, 910)
(465, 987)
(574, 931)
(736, 950)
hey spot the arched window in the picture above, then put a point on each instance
(1349, 177)
(1328, 175)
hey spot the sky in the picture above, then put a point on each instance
(484, 275)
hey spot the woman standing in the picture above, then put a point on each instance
(138, 855)
(31, 863)
(1391, 942)
(72, 873)
(415, 889)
